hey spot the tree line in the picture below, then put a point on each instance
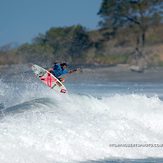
(76, 44)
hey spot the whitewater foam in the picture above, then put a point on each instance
(38, 125)
(81, 128)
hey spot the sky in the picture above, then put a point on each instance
(22, 20)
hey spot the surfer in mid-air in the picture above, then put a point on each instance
(60, 69)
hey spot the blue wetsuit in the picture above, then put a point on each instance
(58, 71)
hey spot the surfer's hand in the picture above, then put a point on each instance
(79, 70)
(50, 69)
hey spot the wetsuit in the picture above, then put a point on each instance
(58, 70)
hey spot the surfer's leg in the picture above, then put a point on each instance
(62, 80)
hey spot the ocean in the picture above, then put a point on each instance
(100, 120)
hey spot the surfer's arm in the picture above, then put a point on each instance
(65, 72)
(50, 69)
(75, 70)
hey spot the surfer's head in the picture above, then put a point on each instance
(64, 65)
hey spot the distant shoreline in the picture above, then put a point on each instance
(122, 73)
(118, 73)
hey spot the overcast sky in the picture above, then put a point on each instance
(22, 20)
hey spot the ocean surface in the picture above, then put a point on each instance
(98, 121)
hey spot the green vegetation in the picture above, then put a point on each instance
(129, 30)
(135, 14)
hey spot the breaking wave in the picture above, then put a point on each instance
(42, 127)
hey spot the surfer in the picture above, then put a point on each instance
(60, 69)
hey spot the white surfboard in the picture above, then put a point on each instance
(49, 79)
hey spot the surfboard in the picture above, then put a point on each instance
(48, 78)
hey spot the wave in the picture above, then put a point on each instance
(78, 128)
